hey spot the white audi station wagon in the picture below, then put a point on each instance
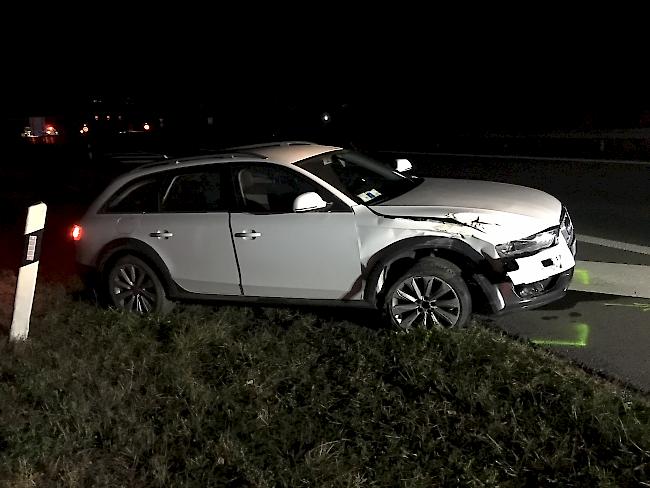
(301, 223)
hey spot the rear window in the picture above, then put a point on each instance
(139, 196)
(193, 192)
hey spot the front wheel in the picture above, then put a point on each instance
(430, 294)
(133, 286)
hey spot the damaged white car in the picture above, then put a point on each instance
(302, 223)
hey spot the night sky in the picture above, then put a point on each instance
(449, 75)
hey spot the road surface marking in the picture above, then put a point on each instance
(643, 307)
(581, 332)
(630, 280)
(624, 246)
(581, 275)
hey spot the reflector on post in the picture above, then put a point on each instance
(26, 283)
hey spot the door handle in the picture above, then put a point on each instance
(162, 234)
(248, 234)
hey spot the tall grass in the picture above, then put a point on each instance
(239, 396)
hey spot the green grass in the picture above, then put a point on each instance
(262, 397)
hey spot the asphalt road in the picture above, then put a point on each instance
(603, 322)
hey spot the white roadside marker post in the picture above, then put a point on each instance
(26, 282)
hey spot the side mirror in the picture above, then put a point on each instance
(403, 165)
(308, 201)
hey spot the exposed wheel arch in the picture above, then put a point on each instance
(393, 260)
(133, 285)
(119, 248)
(431, 293)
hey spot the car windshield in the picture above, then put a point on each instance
(360, 177)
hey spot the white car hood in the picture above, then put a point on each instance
(504, 211)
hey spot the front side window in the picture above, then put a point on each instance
(272, 189)
(359, 177)
(193, 192)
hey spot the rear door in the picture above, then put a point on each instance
(186, 221)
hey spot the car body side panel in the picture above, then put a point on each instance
(494, 226)
(307, 255)
(100, 230)
(200, 255)
(377, 232)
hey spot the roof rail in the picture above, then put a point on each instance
(135, 157)
(223, 154)
(176, 160)
(273, 144)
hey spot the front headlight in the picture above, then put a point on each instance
(528, 245)
(566, 227)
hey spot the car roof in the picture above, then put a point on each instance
(285, 153)
(289, 152)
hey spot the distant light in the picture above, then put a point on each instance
(146, 126)
(96, 117)
(84, 129)
(108, 117)
(119, 117)
(325, 117)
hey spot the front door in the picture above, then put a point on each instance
(295, 255)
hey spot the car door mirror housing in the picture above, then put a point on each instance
(403, 165)
(308, 202)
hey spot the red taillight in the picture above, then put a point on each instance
(76, 232)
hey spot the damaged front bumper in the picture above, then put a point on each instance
(538, 280)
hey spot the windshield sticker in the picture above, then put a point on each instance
(366, 196)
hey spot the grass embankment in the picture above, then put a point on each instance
(278, 397)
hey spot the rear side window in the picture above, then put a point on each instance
(193, 192)
(140, 196)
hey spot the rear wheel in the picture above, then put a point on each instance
(135, 287)
(431, 294)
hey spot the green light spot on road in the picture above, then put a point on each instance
(581, 332)
(643, 307)
(582, 276)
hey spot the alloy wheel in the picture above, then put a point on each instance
(133, 288)
(425, 301)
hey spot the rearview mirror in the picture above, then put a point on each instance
(308, 201)
(403, 165)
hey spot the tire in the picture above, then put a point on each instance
(132, 285)
(430, 294)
